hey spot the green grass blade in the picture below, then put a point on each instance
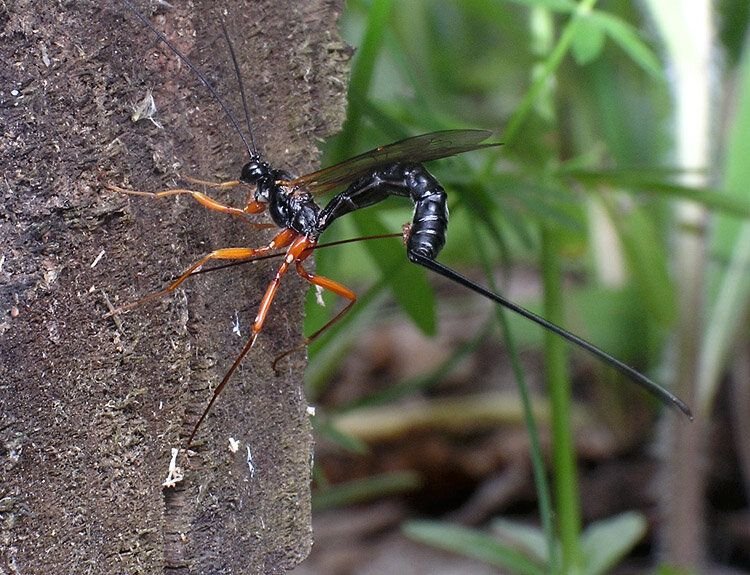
(363, 68)
(547, 71)
(729, 201)
(558, 382)
(732, 300)
(537, 454)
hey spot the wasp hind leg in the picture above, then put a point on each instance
(298, 246)
(327, 284)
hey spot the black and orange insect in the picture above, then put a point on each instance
(392, 170)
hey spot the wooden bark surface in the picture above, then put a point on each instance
(90, 407)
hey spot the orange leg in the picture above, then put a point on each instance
(332, 286)
(297, 246)
(282, 239)
(216, 185)
(227, 185)
(327, 284)
(252, 206)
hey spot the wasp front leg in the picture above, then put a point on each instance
(252, 206)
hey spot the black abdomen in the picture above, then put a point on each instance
(430, 220)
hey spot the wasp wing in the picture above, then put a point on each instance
(416, 150)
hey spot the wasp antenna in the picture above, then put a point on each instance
(241, 84)
(196, 71)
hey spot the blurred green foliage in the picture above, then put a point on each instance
(422, 66)
(580, 95)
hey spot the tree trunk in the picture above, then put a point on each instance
(91, 407)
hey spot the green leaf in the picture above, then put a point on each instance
(550, 202)
(606, 542)
(627, 38)
(646, 259)
(407, 282)
(554, 5)
(588, 41)
(472, 543)
(673, 570)
(521, 536)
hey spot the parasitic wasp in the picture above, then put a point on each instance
(369, 178)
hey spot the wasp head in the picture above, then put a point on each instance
(254, 171)
(258, 173)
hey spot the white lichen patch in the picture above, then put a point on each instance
(175, 474)
(146, 110)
